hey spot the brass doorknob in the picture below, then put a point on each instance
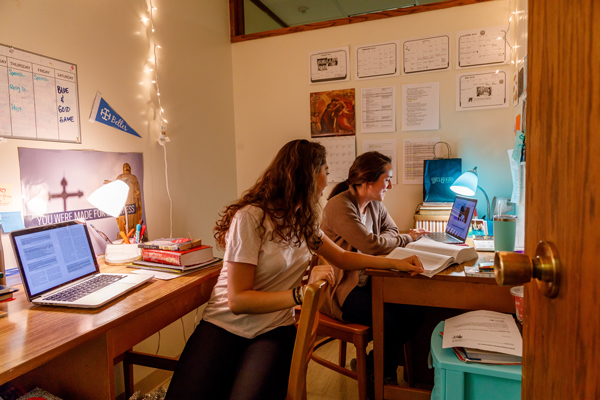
(515, 269)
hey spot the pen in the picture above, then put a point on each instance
(125, 240)
(138, 229)
(143, 231)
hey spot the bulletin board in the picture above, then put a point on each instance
(39, 97)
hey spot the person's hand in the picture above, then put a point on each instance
(417, 233)
(410, 264)
(322, 272)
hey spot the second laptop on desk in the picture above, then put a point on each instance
(459, 221)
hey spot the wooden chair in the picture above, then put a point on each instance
(359, 335)
(305, 339)
(303, 348)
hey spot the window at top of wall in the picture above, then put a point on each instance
(252, 19)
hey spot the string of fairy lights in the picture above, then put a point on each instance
(163, 121)
(155, 60)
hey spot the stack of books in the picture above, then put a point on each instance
(6, 295)
(175, 255)
(433, 216)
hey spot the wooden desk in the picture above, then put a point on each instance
(72, 352)
(443, 290)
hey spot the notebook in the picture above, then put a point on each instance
(458, 222)
(59, 268)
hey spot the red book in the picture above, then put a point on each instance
(184, 258)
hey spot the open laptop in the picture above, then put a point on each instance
(458, 223)
(59, 268)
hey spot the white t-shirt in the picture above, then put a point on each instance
(279, 267)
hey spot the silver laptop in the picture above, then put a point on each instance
(459, 222)
(59, 268)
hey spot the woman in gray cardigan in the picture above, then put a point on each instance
(356, 220)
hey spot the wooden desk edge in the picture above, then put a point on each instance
(10, 372)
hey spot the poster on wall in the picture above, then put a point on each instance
(332, 113)
(377, 60)
(482, 90)
(38, 97)
(332, 123)
(426, 54)
(55, 185)
(329, 65)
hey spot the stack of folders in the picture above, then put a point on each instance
(433, 216)
(176, 256)
(485, 337)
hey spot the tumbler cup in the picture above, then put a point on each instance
(505, 229)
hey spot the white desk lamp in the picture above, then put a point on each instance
(466, 185)
(111, 199)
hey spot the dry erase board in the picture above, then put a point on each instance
(38, 97)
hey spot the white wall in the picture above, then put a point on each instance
(271, 98)
(111, 46)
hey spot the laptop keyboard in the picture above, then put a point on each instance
(443, 237)
(84, 288)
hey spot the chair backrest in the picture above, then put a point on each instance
(305, 339)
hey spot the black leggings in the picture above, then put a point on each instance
(216, 364)
(400, 323)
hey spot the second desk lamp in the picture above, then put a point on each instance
(467, 184)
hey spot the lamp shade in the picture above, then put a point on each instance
(110, 198)
(466, 184)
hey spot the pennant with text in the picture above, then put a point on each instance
(102, 112)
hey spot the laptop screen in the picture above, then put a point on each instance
(460, 217)
(53, 255)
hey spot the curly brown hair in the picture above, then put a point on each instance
(285, 193)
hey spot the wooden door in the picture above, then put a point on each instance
(562, 335)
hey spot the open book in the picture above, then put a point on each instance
(435, 256)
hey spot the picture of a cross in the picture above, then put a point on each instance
(64, 195)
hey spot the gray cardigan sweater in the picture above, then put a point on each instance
(341, 222)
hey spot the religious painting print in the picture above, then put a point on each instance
(55, 185)
(332, 113)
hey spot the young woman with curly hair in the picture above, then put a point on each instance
(243, 347)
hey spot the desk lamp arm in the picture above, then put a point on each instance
(487, 200)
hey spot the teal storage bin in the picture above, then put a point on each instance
(457, 380)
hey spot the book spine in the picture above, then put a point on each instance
(161, 257)
(167, 248)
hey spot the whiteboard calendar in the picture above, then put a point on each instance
(38, 97)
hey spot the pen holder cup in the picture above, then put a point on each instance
(122, 253)
(517, 293)
(505, 230)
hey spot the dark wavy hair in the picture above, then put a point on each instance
(367, 167)
(285, 193)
